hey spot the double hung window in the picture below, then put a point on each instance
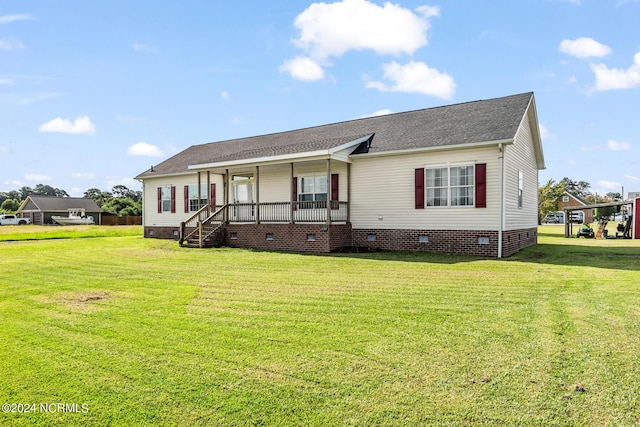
(312, 191)
(450, 186)
(166, 199)
(194, 203)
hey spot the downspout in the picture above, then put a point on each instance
(501, 148)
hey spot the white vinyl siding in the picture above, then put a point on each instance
(382, 191)
(151, 217)
(520, 168)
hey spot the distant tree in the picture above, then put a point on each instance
(122, 206)
(124, 192)
(3, 196)
(579, 188)
(47, 190)
(25, 192)
(10, 205)
(549, 198)
(616, 197)
(98, 196)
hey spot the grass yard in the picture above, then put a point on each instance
(139, 332)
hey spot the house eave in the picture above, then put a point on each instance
(284, 158)
(432, 149)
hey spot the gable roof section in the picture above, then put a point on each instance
(493, 120)
(577, 198)
(60, 204)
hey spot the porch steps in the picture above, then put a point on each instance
(210, 241)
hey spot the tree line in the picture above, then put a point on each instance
(119, 201)
(550, 197)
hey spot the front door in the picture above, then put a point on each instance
(243, 207)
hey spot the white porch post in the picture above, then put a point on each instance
(291, 193)
(257, 194)
(328, 191)
(199, 190)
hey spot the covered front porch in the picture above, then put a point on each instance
(270, 202)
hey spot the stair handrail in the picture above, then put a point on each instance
(192, 222)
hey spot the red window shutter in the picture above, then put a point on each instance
(173, 199)
(294, 196)
(186, 199)
(481, 185)
(334, 187)
(159, 199)
(419, 188)
(212, 196)
(335, 193)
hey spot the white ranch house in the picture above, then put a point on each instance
(461, 178)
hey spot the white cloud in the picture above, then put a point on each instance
(609, 185)
(632, 178)
(546, 134)
(415, 77)
(142, 47)
(377, 113)
(34, 177)
(5, 19)
(83, 175)
(618, 146)
(144, 149)
(4, 81)
(82, 125)
(584, 47)
(76, 192)
(225, 95)
(331, 30)
(14, 183)
(10, 44)
(616, 78)
(4, 149)
(303, 68)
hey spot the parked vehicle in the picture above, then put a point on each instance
(554, 218)
(577, 217)
(10, 219)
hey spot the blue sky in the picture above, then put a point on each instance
(93, 93)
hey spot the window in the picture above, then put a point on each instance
(312, 189)
(166, 199)
(520, 188)
(194, 205)
(450, 186)
(565, 199)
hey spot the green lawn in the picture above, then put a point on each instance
(142, 332)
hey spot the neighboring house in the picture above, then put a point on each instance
(40, 209)
(579, 215)
(461, 178)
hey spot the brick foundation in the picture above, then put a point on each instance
(322, 238)
(162, 232)
(289, 237)
(481, 243)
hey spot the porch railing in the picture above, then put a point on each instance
(207, 221)
(281, 212)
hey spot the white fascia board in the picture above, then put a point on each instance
(283, 158)
(439, 148)
(162, 175)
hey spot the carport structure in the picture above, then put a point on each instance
(632, 211)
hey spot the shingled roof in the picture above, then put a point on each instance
(60, 204)
(483, 121)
